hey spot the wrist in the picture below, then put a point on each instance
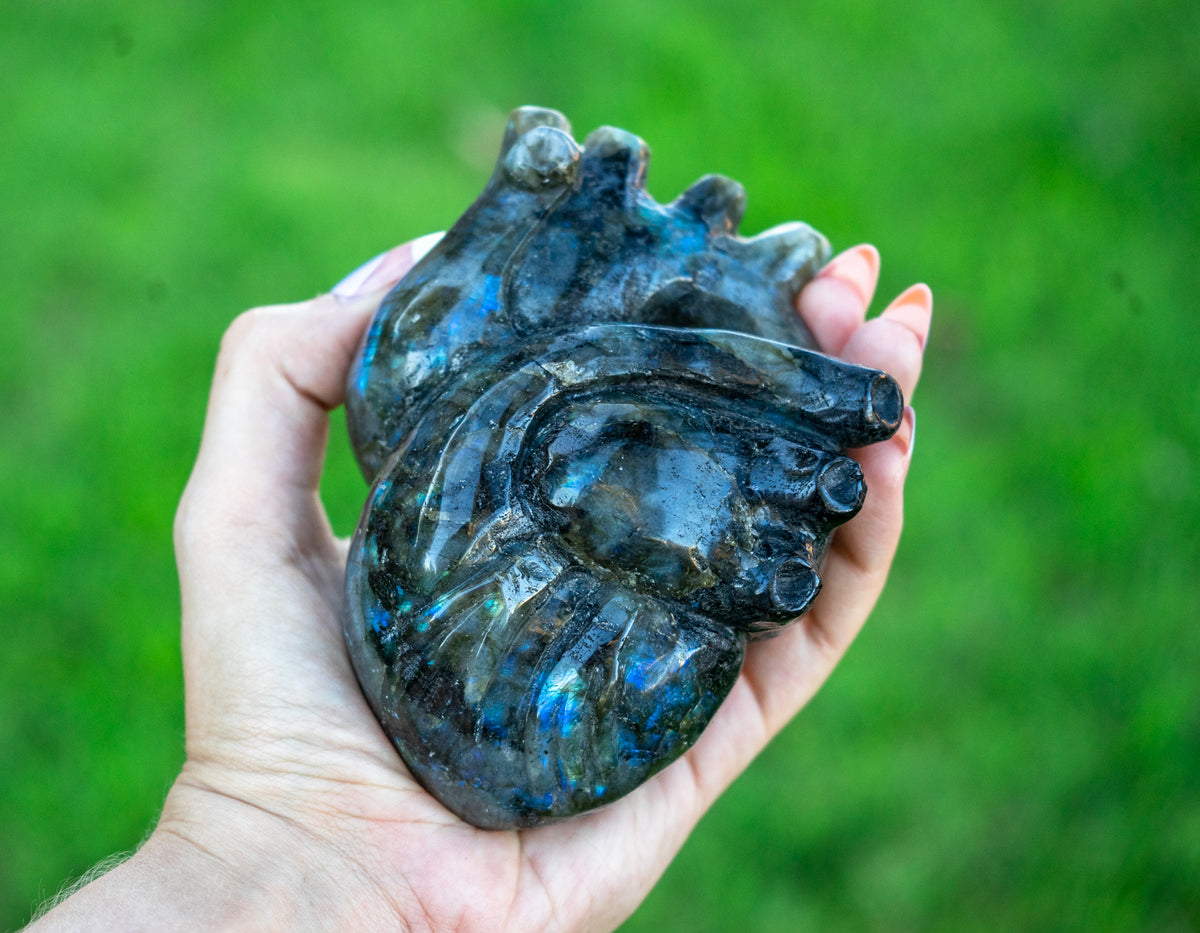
(218, 863)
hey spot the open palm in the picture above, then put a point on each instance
(292, 804)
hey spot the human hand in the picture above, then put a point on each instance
(292, 809)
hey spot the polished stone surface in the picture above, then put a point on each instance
(603, 459)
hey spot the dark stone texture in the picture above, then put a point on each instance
(603, 459)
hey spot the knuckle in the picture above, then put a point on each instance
(188, 528)
(247, 331)
(214, 523)
(183, 530)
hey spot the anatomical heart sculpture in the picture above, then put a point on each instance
(605, 455)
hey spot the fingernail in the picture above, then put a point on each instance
(858, 267)
(352, 284)
(914, 309)
(385, 268)
(906, 434)
(423, 244)
(392, 267)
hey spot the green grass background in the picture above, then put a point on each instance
(1013, 743)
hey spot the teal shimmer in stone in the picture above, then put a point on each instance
(605, 454)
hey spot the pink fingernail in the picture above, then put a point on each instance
(919, 294)
(907, 432)
(858, 267)
(914, 309)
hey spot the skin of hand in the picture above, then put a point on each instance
(292, 810)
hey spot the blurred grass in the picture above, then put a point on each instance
(1014, 743)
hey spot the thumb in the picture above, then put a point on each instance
(259, 567)
(280, 371)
